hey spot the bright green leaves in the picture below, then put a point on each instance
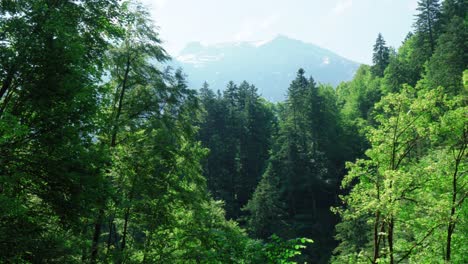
(281, 252)
(412, 178)
(404, 123)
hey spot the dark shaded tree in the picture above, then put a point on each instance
(380, 57)
(427, 23)
(237, 129)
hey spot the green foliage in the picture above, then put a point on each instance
(446, 66)
(427, 23)
(392, 188)
(381, 56)
(359, 96)
(50, 64)
(106, 157)
(99, 158)
(404, 68)
(237, 128)
(303, 169)
(279, 251)
(405, 201)
(266, 210)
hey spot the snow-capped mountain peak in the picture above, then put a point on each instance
(268, 64)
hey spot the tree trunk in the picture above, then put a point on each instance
(109, 237)
(7, 82)
(125, 230)
(127, 218)
(429, 23)
(376, 238)
(97, 228)
(451, 224)
(390, 239)
(96, 235)
(120, 103)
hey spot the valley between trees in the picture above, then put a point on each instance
(107, 156)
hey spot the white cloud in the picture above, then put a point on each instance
(342, 6)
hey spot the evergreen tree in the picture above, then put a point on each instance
(237, 129)
(381, 56)
(427, 22)
(451, 9)
(301, 175)
(266, 210)
(106, 157)
(449, 60)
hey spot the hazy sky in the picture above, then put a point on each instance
(347, 27)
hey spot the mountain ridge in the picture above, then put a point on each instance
(270, 65)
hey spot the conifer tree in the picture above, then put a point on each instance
(450, 58)
(381, 56)
(427, 22)
(451, 9)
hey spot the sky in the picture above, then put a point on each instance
(347, 27)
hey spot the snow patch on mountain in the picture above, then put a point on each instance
(199, 59)
(269, 64)
(326, 60)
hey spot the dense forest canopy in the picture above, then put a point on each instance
(107, 156)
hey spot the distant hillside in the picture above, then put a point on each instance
(269, 65)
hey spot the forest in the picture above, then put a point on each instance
(107, 156)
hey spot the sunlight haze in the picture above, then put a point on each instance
(347, 27)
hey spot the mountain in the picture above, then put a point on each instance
(269, 65)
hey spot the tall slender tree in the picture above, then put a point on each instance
(381, 56)
(51, 65)
(427, 22)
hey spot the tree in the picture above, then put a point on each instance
(99, 155)
(296, 94)
(237, 128)
(398, 182)
(381, 56)
(130, 74)
(452, 142)
(359, 95)
(266, 210)
(384, 181)
(50, 69)
(404, 67)
(449, 60)
(427, 22)
(451, 9)
(300, 183)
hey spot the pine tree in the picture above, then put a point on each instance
(237, 128)
(451, 9)
(381, 56)
(427, 22)
(450, 58)
(266, 210)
